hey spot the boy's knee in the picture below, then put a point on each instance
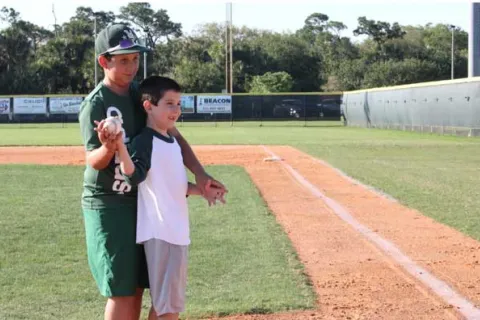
(124, 301)
(121, 308)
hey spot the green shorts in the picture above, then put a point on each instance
(117, 263)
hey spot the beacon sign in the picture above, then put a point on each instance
(214, 104)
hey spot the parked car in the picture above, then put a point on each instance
(330, 108)
(289, 108)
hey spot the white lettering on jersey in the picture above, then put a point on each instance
(115, 112)
(119, 184)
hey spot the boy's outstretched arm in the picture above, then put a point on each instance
(203, 179)
(193, 190)
(211, 195)
(189, 158)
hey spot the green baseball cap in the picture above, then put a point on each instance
(118, 39)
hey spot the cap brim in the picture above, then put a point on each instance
(134, 49)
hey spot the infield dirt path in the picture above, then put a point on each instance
(353, 278)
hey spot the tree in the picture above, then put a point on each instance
(315, 57)
(286, 52)
(316, 22)
(411, 45)
(333, 50)
(198, 77)
(271, 82)
(381, 74)
(154, 25)
(9, 15)
(379, 32)
(18, 44)
(347, 76)
(335, 27)
(438, 42)
(52, 66)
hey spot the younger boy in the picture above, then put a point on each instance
(156, 166)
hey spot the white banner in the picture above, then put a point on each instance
(31, 105)
(214, 104)
(68, 105)
(4, 105)
(188, 104)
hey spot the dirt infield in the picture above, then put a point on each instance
(353, 277)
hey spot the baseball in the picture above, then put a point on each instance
(113, 125)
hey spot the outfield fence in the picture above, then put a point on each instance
(442, 107)
(296, 108)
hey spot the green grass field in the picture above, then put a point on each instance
(434, 174)
(240, 260)
(69, 134)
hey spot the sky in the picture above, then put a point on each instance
(273, 15)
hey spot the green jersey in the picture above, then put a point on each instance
(107, 187)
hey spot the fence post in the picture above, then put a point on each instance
(304, 110)
(10, 110)
(261, 113)
(231, 112)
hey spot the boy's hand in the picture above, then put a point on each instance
(106, 139)
(119, 140)
(212, 194)
(204, 182)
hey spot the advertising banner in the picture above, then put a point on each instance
(188, 104)
(30, 105)
(68, 105)
(4, 105)
(214, 104)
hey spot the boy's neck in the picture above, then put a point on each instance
(120, 90)
(151, 125)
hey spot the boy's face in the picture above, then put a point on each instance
(167, 111)
(121, 69)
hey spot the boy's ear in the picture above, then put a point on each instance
(147, 105)
(102, 60)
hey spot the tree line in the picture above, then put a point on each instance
(35, 60)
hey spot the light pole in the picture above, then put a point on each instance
(231, 48)
(452, 68)
(146, 31)
(55, 19)
(228, 49)
(95, 47)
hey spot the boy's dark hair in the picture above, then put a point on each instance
(154, 87)
(107, 56)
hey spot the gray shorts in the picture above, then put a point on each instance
(167, 272)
